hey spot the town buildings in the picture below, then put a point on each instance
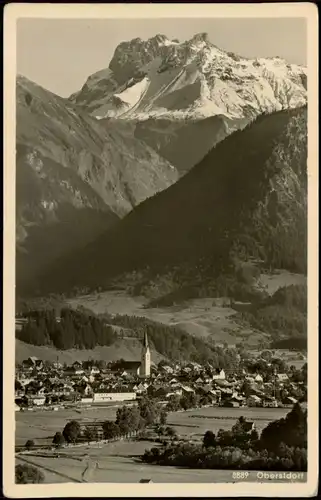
(43, 384)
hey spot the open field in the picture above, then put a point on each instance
(42, 425)
(194, 423)
(119, 461)
(199, 317)
(119, 467)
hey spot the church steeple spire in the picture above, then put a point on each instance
(145, 358)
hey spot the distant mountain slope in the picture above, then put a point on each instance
(246, 199)
(186, 96)
(184, 143)
(74, 177)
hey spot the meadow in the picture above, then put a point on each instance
(41, 425)
(119, 461)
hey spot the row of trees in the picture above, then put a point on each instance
(281, 446)
(291, 431)
(227, 457)
(74, 329)
(128, 420)
(187, 401)
(80, 329)
(175, 343)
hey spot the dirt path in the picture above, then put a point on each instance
(86, 476)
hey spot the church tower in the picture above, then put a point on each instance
(145, 358)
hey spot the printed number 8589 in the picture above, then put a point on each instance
(240, 475)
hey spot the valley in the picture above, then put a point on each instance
(161, 322)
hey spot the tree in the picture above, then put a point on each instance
(163, 417)
(148, 411)
(110, 429)
(17, 385)
(206, 400)
(173, 403)
(58, 439)
(159, 429)
(89, 433)
(225, 438)
(239, 426)
(26, 473)
(29, 444)
(209, 439)
(189, 400)
(246, 388)
(101, 364)
(291, 430)
(128, 419)
(171, 432)
(254, 436)
(72, 431)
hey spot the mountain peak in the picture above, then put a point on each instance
(200, 37)
(193, 79)
(159, 38)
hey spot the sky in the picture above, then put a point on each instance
(60, 54)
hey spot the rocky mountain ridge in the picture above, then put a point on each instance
(193, 79)
(182, 98)
(74, 177)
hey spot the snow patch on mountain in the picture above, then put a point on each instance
(132, 95)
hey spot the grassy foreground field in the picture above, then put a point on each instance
(42, 425)
(121, 468)
(119, 461)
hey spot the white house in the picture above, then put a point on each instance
(100, 397)
(219, 375)
(38, 400)
(187, 389)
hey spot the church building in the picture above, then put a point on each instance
(140, 368)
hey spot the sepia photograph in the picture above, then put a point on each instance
(160, 250)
